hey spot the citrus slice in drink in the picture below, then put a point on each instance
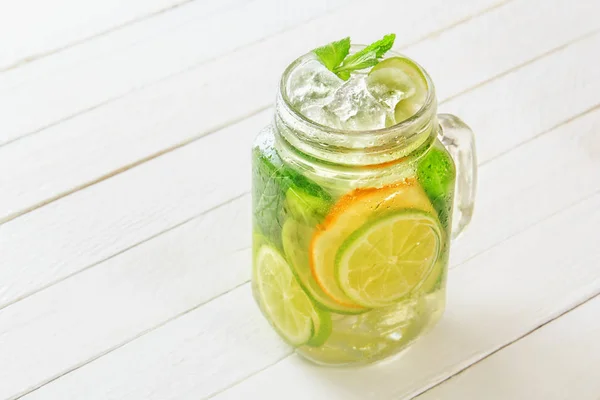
(296, 237)
(402, 74)
(350, 213)
(388, 257)
(434, 280)
(288, 308)
(322, 328)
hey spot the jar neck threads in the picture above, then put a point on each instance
(349, 147)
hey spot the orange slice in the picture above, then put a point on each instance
(351, 212)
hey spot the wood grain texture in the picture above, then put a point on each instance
(60, 251)
(105, 219)
(43, 28)
(124, 133)
(228, 337)
(482, 316)
(123, 274)
(104, 307)
(93, 224)
(174, 272)
(493, 299)
(556, 362)
(524, 95)
(165, 115)
(102, 70)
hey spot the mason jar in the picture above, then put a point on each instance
(352, 229)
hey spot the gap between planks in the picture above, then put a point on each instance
(131, 339)
(192, 139)
(246, 282)
(510, 343)
(140, 87)
(331, 11)
(59, 49)
(476, 361)
(179, 224)
(91, 262)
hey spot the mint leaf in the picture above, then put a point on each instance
(335, 55)
(381, 46)
(364, 60)
(367, 57)
(345, 75)
(273, 180)
(332, 54)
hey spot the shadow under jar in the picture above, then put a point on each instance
(352, 228)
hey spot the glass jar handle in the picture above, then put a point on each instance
(458, 139)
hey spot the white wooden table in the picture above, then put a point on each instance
(125, 129)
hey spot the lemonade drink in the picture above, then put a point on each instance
(353, 199)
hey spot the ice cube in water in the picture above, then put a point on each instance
(355, 104)
(310, 84)
(356, 108)
(389, 96)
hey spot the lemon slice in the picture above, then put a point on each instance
(296, 241)
(349, 214)
(284, 302)
(389, 257)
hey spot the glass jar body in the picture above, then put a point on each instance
(315, 217)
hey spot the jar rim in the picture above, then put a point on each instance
(401, 126)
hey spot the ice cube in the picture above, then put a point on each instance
(388, 96)
(318, 113)
(310, 84)
(356, 108)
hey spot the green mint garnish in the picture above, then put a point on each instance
(335, 55)
(332, 54)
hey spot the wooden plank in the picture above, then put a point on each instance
(66, 253)
(84, 228)
(104, 307)
(174, 272)
(544, 175)
(558, 361)
(106, 219)
(502, 40)
(106, 69)
(527, 95)
(493, 299)
(39, 28)
(210, 333)
(127, 133)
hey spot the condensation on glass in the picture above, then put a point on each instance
(333, 210)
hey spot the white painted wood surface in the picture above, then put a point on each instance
(124, 252)
(32, 29)
(565, 351)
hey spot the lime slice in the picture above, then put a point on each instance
(389, 257)
(404, 75)
(322, 328)
(433, 281)
(286, 305)
(296, 241)
(350, 213)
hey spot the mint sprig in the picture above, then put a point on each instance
(335, 55)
